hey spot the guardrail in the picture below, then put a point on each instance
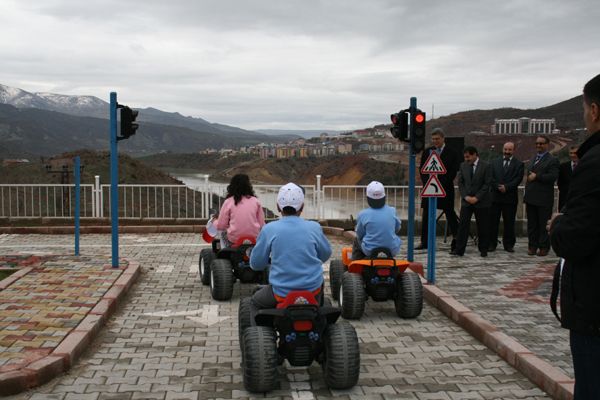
(199, 202)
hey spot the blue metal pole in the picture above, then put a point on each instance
(411, 195)
(431, 240)
(77, 171)
(114, 180)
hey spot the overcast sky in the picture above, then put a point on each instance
(303, 64)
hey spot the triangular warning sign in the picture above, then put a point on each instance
(434, 164)
(433, 188)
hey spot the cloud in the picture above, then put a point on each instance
(303, 64)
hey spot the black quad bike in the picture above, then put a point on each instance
(300, 331)
(221, 267)
(380, 277)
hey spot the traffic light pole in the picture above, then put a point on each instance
(411, 191)
(114, 180)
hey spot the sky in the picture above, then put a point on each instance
(303, 64)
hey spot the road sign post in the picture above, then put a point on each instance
(432, 189)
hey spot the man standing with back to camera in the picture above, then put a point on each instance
(451, 160)
(575, 236)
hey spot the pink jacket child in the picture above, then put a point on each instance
(241, 213)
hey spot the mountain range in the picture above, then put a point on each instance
(45, 124)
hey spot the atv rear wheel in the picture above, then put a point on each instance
(206, 258)
(259, 359)
(244, 317)
(336, 271)
(409, 295)
(352, 296)
(221, 279)
(341, 366)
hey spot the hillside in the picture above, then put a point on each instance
(568, 114)
(131, 171)
(336, 170)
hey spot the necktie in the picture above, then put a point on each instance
(537, 158)
(473, 170)
(506, 161)
(574, 165)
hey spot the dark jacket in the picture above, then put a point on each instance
(479, 185)
(511, 178)
(540, 192)
(451, 161)
(564, 179)
(575, 236)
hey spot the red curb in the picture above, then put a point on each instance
(91, 323)
(104, 307)
(505, 346)
(72, 346)
(475, 325)
(544, 375)
(14, 382)
(6, 282)
(46, 369)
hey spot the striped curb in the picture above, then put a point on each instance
(75, 343)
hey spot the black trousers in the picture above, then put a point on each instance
(450, 217)
(537, 217)
(482, 218)
(585, 350)
(508, 212)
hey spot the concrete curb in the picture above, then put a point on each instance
(549, 379)
(545, 376)
(75, 343)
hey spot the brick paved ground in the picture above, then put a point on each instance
(166, 343)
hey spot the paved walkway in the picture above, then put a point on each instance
(170, 340)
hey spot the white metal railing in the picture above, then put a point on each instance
(199, 202)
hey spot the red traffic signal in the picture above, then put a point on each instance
(419, 117)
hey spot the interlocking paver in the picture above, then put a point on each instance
(139, 356)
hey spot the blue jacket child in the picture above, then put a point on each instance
(377, 225)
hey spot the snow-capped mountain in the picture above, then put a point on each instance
(88, 106)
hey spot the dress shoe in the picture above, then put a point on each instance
(542, 252)
(531, 251)
(421, 247)
(483, 254)
(510, 249)
(455, 253)
(453, 244)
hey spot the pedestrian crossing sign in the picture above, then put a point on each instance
(433, 187)
(434, 164)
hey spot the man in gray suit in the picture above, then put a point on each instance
(507, 174)
(542, 172)
(474, 182)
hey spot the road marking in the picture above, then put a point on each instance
(165, 269)
(208, 314)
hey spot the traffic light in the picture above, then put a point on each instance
(399, 127)
(417, 131)
(128, 124)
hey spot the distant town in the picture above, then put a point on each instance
(374, 140)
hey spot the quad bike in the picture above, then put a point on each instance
(301, 331)
(221, 267)
(380, 277)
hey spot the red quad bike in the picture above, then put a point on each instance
(220, 268)
(380, 277)
(300, 331)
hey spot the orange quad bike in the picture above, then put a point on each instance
(380, 277)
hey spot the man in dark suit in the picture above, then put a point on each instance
(507, 174)
(474, 182)
(542, 172)
(564, 176)
(451, 161)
